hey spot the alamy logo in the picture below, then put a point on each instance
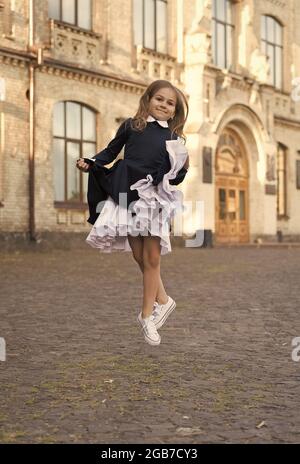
(2, 349)
(296, 350)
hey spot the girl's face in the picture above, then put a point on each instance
(162, 105)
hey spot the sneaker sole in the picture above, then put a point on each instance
(148, 340)
(159, 324)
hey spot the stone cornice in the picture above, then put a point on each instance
(78, 30)
(229, 78)
(70, 71)
(294, 123)
(155, 54)
(74, 72)
(15, 57)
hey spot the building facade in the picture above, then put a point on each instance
(70, 72)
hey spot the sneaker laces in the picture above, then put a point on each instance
(150, 326)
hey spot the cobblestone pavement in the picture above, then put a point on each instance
(78, 369)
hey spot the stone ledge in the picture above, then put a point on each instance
(47, 241)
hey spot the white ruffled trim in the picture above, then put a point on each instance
(115, 222)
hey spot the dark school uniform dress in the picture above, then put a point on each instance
(149, 157)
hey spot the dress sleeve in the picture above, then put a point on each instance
(179, 178)
(114, 147)
(164, 168)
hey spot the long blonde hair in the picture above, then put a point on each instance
(139, 121)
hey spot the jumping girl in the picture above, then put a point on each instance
(155, 159)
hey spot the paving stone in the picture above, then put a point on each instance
(78, 369)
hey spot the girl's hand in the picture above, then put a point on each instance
(82, 166)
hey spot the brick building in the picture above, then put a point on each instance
(72, 71)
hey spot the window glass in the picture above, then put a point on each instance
(278, 33)
(138, 22)
(270, 29)
(88, 124)
(88, 150)
(278, 67)
(73, 174)
(54, 9)
(229, 46)
(214, 35)
(228, 12)
(161, 26)
(73, 121)
(221, 45)
(263, 31)
(59, 169)
(223, 30)
(270, 54)
(58, 120)
(221, 9)
(84, 14)
(149, 24)
(68, 11)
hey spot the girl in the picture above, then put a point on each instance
(155, 159)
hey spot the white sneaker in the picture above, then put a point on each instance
(162, 312)
(150, 332)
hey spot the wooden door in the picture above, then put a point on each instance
(232, 216)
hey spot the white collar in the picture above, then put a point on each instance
(161, 123)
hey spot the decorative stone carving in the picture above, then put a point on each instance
(153, 64)
(259, 66)
(198, 37)
(71, 44)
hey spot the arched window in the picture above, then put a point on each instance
(222, 33)
(281, 180)
(150, 24)
(74, 136)
(76, 12)
(271, 45)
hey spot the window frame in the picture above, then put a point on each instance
(266, 42)
(227, 26)
(75, 24)
(165, 2)
(82, 201)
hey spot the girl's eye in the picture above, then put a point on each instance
(169, 103)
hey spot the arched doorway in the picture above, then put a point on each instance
(231, 168)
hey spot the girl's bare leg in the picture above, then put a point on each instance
(137, 244)
(151, 261)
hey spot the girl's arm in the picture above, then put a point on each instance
(114, 147)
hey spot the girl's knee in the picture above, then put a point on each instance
(151, 260)
(151, 252)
